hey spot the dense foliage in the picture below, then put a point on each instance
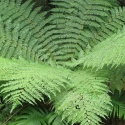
(62, 64)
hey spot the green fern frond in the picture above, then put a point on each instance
(114, 3)
(70, 19)
(22, 32)
(118, 101)
(86, 101)
(30, 116)
(116, 78)
(116, 21)
(54, 119)
(108, 52)
(63, 41)
(27, 82)
(81, 12)
(36, 116)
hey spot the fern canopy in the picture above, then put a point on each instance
(41, 54)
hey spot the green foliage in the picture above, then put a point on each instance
(72, 20)
(41, 58)
(86, 102)
(30, 116)
(117, 79)
(115, 22)
(55, 119)
(109, 52)
(118, 101)
(22, 31)
(36, 116)
(29, 81)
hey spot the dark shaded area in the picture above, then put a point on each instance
(122, 2)
(112, 121)
(45, 4)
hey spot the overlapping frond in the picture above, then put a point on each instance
(86, 101)
(71, 19)
(27, 82)
(36, 116)
(24, 31)
(116, 21)
(108, 52)
(61, 38)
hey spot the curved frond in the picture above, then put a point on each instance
(86, 101)
(27, 82)
(70, 18)
(61, 38)
(108, 52)
(23, 31)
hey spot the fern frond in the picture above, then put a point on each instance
(70, 19)
(63, 41)
(83, 12)
(27, 82)
(53, 118)
(30, 116)
(114, 3)
(116, 21)
(86, 101)
(36, 116)
(116, 79)
(108, 52)
(22, 32)
(118, 101)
